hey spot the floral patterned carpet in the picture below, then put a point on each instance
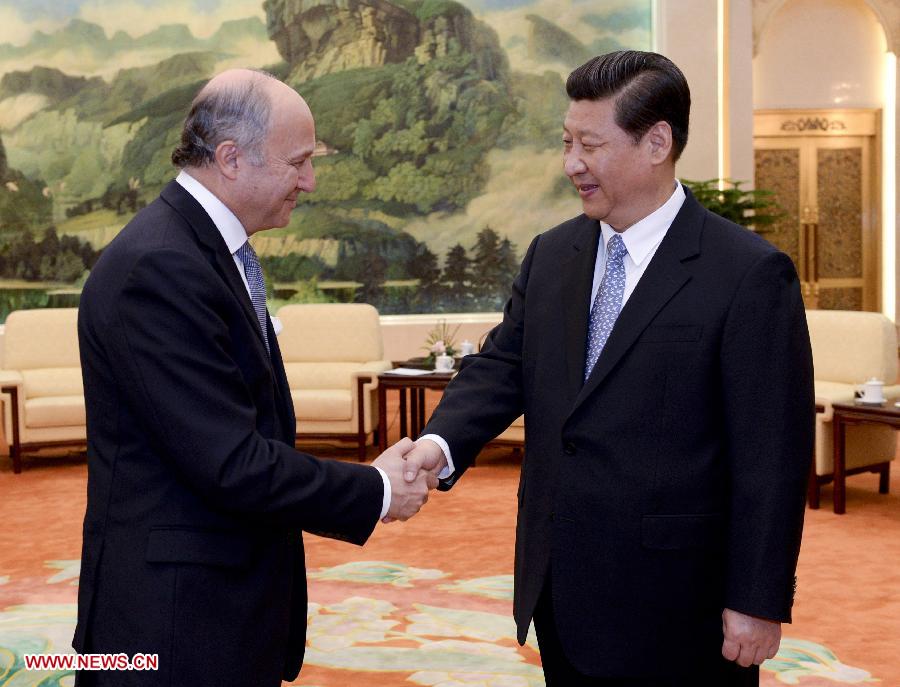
(428, 602)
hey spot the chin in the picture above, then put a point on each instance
(599, 214)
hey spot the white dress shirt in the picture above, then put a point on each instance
(235, 236)
(229, 226)
(641, 239)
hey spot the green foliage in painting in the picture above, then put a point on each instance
(53, 258)
(413, 137)
(429, 9)
(540, 107)
(337, 115)
(291, 267)
(23, 205)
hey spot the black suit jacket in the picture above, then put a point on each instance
(671, 484)
(196, 496)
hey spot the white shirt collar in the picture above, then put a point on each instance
(226, 222)
(641, 237)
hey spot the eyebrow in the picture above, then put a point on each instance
(590, 135)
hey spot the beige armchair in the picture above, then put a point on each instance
(41, 380)
(332, 356)
(848, 349)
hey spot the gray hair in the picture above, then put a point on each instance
(238, 112)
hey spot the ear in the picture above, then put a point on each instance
(228, 159)
(659, 140)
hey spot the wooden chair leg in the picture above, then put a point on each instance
(361, 416)
(16, 455)
(812, 493)
(361, 448)
(884, 482)
(15, 450)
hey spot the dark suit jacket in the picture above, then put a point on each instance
(196, 496)
(671, 484)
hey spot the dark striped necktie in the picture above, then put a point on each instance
(254, 275)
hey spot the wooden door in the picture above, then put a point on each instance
(822, 167)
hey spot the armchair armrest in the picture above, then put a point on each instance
(9, 378)
(371, 369)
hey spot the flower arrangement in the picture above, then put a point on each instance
(440, 341)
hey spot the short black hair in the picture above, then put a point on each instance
(648, 88)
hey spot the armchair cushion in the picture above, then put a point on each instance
(321, 375)
(53, 381)
(330, 332)
(55, 411)
(37, 339)
(323, 404)
(851, 347)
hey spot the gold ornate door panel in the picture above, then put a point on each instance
(822, 168)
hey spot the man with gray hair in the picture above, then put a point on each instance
(196, 496)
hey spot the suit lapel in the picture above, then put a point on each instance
(663, 278)
(286, 407)
(210, 237)
(207, 234)
(578, 278)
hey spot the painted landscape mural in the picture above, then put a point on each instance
(439, 129)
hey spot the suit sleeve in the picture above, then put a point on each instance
(487, 394)
(769, 410)
(172, 352)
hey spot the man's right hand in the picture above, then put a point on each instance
(424, 455)
(407, 495)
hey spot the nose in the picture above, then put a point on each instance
(573, 164)
(306, 179)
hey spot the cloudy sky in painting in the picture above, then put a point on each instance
(19, 19)
(597, 24)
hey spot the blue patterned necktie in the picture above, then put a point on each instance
(608, 302)
(257, 285)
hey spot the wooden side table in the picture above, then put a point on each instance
(853, 414)
(416, 386)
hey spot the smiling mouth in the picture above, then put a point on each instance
(586, 189)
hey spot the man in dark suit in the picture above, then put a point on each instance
(196, 495)
(661, 358)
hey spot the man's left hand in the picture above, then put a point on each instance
(749, 640)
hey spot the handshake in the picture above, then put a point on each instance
(412, 469)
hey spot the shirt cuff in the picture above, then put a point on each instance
(450, 469)
(386, 502)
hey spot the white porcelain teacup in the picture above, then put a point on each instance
(873, 391)
(443, 363)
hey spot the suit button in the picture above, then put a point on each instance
(569, 448)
